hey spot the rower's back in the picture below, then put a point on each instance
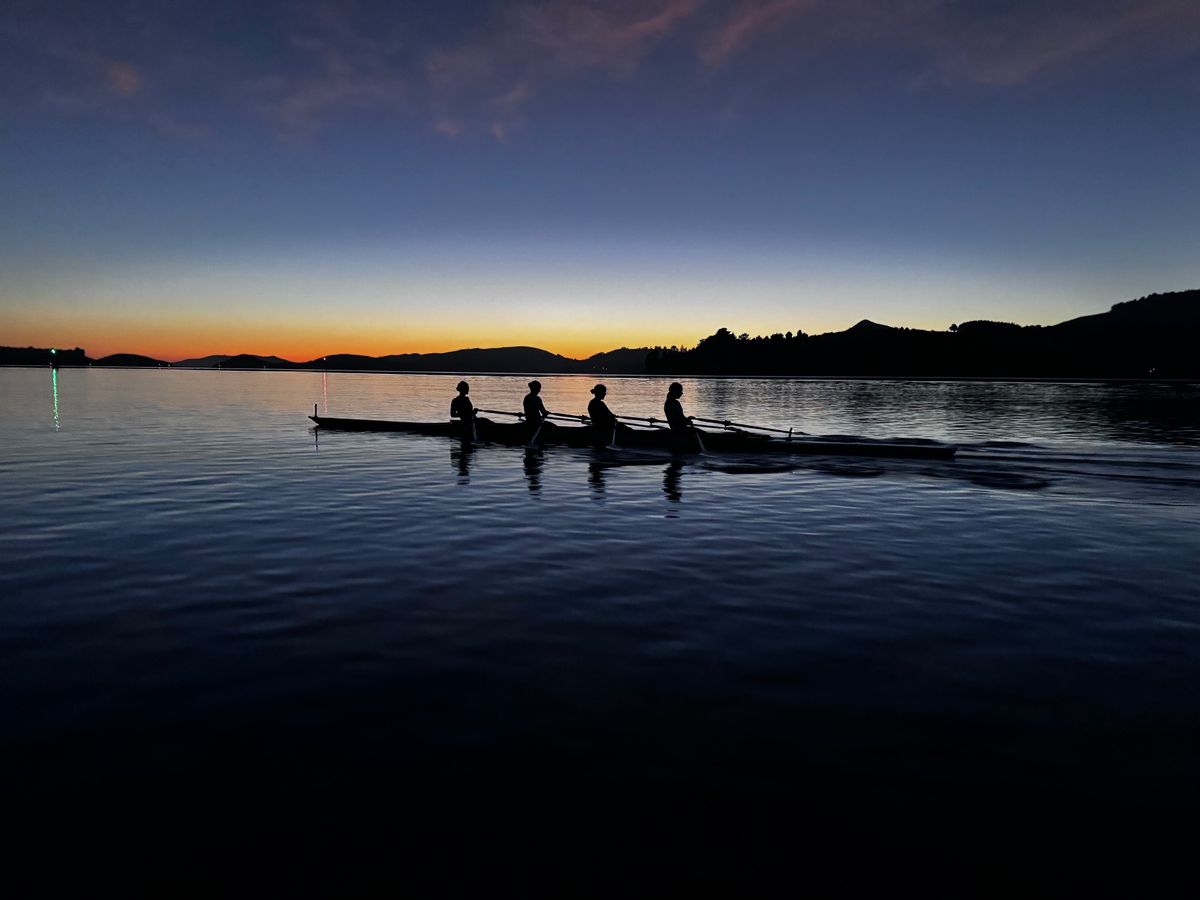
(600, 414)
(462, 408)
(534, 408)
(603, 421)
(673, 409)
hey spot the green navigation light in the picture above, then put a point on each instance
(54, 391)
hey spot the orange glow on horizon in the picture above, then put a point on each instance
(173, 336)
(158, 340)
(104, 339)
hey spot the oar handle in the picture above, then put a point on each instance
(501, 412)
(725, 423)
(586, 420)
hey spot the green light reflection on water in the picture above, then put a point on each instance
(54, 391)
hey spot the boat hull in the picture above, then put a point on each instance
(732, 441)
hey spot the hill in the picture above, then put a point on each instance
(203, 362)
(497, 359)
(250, 361)
(617, 362)
(131, 360)
(1152, 337)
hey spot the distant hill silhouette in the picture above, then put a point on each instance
(250, 361)
(1152, 337)
(624, 361)
(203, 362)
(1155, 336)
(497, 359)
(130, 360)
(239, 361)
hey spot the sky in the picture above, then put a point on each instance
(306, 178)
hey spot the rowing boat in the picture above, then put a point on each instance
(727, 441)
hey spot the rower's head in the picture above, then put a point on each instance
(675, 391)
(599, 390)
(463, 387)
(535, 387)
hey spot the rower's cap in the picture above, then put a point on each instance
(599, 388)
(535, 384)
(463, 386)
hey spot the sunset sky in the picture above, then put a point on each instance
(301, 178)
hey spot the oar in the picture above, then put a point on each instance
(502, 412)
(643, 422)
(652, 422)
(725, 423)
(533, 444)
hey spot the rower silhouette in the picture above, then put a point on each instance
(536, 414)
(604, 423)
(683, 434)
(463, 409)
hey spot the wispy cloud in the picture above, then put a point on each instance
(955, 42)
(747, 21)
(345, 64)
(1050, 38)
(487, 74)
(124, 79)
(487, 80)
(100, 85)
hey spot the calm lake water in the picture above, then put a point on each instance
(202, 595)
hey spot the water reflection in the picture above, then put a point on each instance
(671, 479)
(460, 459)
(54, 393)
(534, 463)
(596, 480)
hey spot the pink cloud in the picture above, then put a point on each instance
(124, 79)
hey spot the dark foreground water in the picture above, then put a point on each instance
(207, 610)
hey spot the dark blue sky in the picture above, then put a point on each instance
(306, 178)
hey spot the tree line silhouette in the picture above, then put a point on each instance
(1154, 336)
